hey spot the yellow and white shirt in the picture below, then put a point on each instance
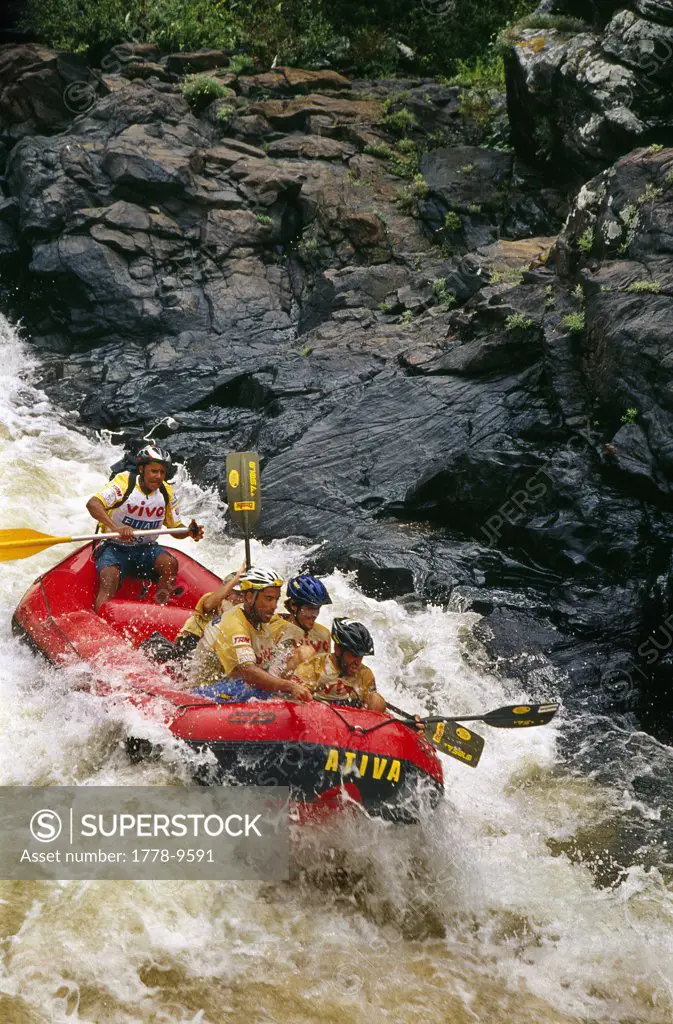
(323, 677)
(199, 620)
(227, 644)
(282, 629)
(140, 511)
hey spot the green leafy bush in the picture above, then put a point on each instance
(401, 122)
(225, 113)
(518, 322)
(630, 416)
(381, 149)
(357, 36)
(445, 297)
(200, 90)
(411, 193)
(452, 221)
(574, 322)
(586, 240)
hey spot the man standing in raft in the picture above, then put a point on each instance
(138, 501)
(239, 647)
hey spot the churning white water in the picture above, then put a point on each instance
(539, 892)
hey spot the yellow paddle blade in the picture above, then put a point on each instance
(15, 544)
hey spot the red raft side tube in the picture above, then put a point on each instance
(322, 752)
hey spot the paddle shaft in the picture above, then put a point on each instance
(20, 544)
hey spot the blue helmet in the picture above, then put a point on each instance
(307, 589)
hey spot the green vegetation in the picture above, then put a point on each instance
(401, 122)
(542, 22)
(630, 415)
(586, 240)
(574, 322)
(452, 221)
(359, 37)
(480, 80)
(240, 63)
(309, 250)
(473, 208)
(385, 307)
(466, 169)
(518, 322)
(550, 301)
(446, 298)
(656, 147)
(200, 90)
(411, 193)
(406, 165)
(381, 149)
(649, 194)
(407, 317)
(265, 220)
(508, 275)
(224, 113)
(645, 286)
(668, 180)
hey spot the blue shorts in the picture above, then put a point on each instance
(235, 691)
(131, 559)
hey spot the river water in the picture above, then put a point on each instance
(540, 891)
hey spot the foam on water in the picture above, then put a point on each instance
(495, 909)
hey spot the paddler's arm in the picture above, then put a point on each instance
(254, 675)
(212, 601)
(97, 510)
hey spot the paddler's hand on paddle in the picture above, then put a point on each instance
(298, 691)
(125, 533)
(193, 530)
(420, 728)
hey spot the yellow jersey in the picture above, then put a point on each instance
(323, 677)
(140, 511)
(199, 619)
(283, 629)
(228, 644)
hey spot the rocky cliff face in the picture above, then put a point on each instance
(462, 392)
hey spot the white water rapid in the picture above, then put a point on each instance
(539, 892)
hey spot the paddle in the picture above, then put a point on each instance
(15, 544)
(449, 736)
(244, 494)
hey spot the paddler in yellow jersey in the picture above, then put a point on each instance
(133, 502)
(231, 661)
(211, 606)
(305, 597)
(341, 676)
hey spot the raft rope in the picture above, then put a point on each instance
(359, 729)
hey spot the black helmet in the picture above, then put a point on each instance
(353, 637)
(153, 453)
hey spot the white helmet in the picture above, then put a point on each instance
(258, 577)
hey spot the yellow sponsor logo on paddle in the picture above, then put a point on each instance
(252, 469)
(234, 478)
(244, 506)
(523, 710)
(463, 734)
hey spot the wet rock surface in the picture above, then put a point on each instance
(460, 393)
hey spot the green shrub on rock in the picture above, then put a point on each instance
(200, 90)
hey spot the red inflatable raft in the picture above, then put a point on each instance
(321, 752)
